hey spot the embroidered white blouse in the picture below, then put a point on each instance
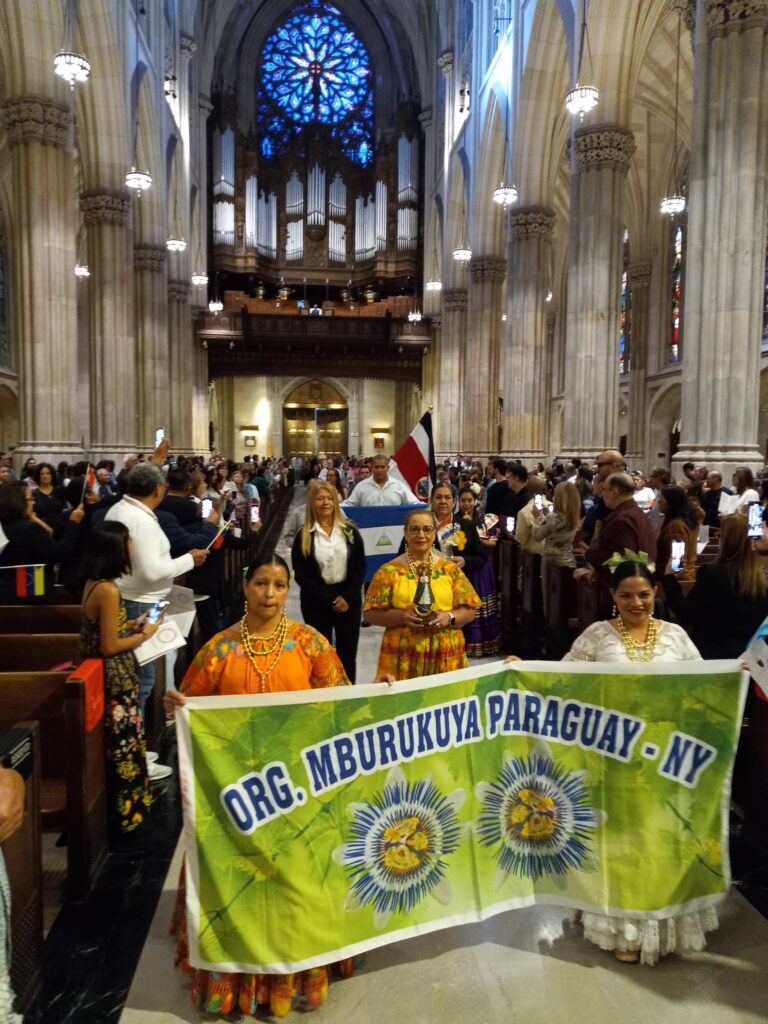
(601, 642)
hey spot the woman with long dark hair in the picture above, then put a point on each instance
(681, 523)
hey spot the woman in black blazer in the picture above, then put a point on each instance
(329, 565)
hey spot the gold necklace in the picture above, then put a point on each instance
(276, 638)
(631, 646)
(420, 569)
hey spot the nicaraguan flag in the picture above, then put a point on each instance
(381, 527)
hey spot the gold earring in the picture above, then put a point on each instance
(614, 612)
(245, 607)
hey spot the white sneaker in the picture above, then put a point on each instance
(157, 771)
(152, 756)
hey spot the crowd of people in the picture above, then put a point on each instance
(121, 538)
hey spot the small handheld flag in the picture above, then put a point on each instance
(30, 579)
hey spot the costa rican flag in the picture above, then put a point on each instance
(416, 458)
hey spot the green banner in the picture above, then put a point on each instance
(325, 823)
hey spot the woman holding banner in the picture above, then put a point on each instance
(423, 600)
(634, 635)
(266, 652)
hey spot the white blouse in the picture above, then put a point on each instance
(601, 642)
(331, 553)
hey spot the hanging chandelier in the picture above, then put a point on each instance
(81, 270)
(673, 205)
(414, 316)
(176, 245)
(582, 98)
(72, 67)
(215, 306)
(199, 279)
(139, 181)
(433, 285)
(462, 254)
(68, 64)
(505, 195)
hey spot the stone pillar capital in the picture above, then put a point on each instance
(179, 291)
(531, 222)
(455, 299)
(686, 9)
(425, 118)
(605, 145)
(437, 322)
(488, 268)
(205, 105)
(735, 15)
(149, 257)
(187, 47)
(639, 274)
(105, 206)
(36, 119)
(445, 62)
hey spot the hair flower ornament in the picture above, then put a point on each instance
(638, 557)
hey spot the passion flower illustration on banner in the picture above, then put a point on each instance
(324, 823)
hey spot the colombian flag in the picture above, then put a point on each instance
(30, 580)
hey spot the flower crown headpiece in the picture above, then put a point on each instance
(640, 558)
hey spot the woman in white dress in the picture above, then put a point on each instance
(635, 635)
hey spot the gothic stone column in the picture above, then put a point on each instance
(152, 342)
(182, 367)
(725, 251)
(42, 254)
(114, 397)
(638, 279)
(449, 438)
(602, 156)
(525, 351)
(481, 360)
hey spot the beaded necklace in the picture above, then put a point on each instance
(420, 569)
(276, 638)
(633, 648)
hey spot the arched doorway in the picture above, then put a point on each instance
(315, 419)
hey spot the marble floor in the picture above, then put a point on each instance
(110, 959)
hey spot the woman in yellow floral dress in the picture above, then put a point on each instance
(415, 645)
(266, 652)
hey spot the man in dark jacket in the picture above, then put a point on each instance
(625, 526)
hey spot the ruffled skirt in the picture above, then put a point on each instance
(685, 933)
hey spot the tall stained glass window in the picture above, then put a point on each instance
(624, 310)
(677, 278)
(315, 70)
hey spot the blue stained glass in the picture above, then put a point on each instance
(315, 69)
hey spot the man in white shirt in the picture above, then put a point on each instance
(153, 569)
(381, 489)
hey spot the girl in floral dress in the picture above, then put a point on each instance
(105, 633)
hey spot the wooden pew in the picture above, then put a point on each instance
(587, 603)
(750, 774)
(70, 710)
(37, 652)
(40, 618)
(20, 750)
(560, 607)
(531, 605)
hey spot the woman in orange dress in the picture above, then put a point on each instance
(266, 652)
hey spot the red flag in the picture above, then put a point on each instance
(416, 458)
(90, 480)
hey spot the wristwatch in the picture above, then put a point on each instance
(451, 619)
